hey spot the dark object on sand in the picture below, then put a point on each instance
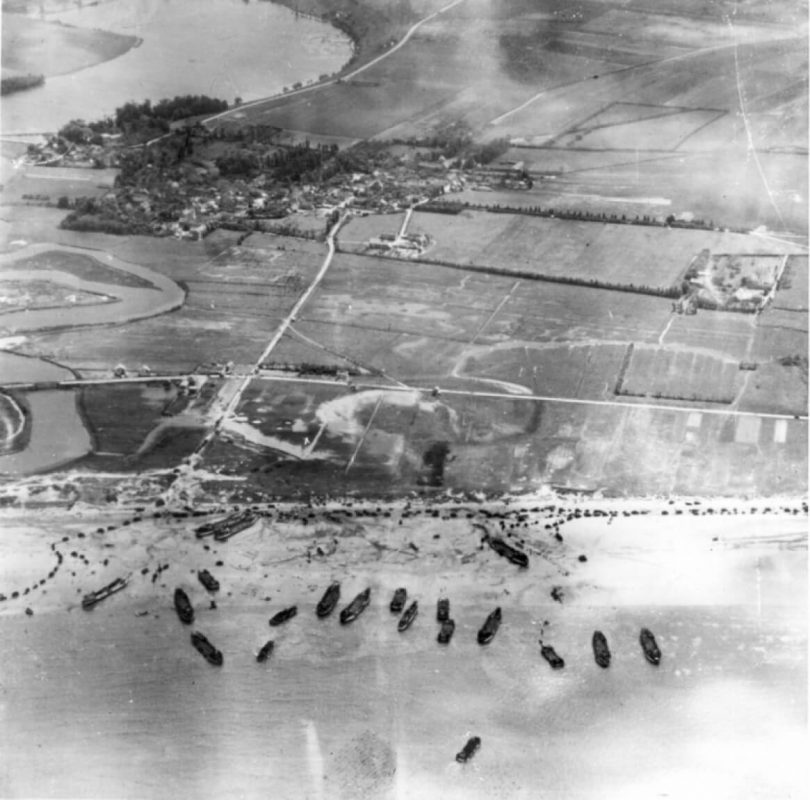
(356, 607)
(208, 580)
(443, 610)
(329, 600)
(283, 616)
(408, 617)
(550, 654)
(601, 651)
(211, 654)
(266, 650)
(469, 749)
(233, 524)
(111, 588)
(398, 600)
(650, 647)
(183, 607)
(507, 551)
(446, 631)
(490, 627)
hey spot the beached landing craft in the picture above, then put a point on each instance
(490, 627)
(469, 749)
(446, 631)
(408, 617)
(398, 600)
(283, 616)
(443, 610)
(507, 551)
(234, 524)
(356, 607)
(209, 652)
(329, 600)
(183, 607)
(208, 580)
(550, 654)
(601, 651)
(266, 651)
(650, 647)
(111, 588)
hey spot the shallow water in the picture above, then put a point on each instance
(221, 48)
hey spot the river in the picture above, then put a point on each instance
(221, 48)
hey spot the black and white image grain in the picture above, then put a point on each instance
(403, 399)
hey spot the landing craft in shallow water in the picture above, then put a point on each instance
(650, 647)
(356, 607)
(601, 651)
(550, 654)
(329, 600)
(408, 617)
(490, 627)
(183, 607)
(111, 588)
(209, 652)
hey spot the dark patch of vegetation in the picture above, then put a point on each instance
(19, 83)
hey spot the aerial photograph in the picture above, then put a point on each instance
(404, 399)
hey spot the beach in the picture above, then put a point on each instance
(364, 711)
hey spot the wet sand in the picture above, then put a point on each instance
(124, 706)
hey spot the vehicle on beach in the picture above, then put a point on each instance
(101, 594)
(329, 600)
(408, 617)
(398, 600)
(507, 551)
(356, 607)
(183, 607)
(550, 654)
(208, 580)
(601, 651)
(650, 647)
(283, 616)
(443, 610)
(446, 631)
(469, 749)
(266, 651)
(209, 652)
(490, 627)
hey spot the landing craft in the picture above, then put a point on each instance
(111, 588)
(507, 551)
(208, 580)
(446, 631)
(469, 749)
(443, 610)
(356, 607)
(550, 654)
(266, 650)
(183, 607)
(601, 651)
(329, 600)
(650, 647)
(398, 600)
(408, 617)
(209, 652)
(283, 616)
(490, 627)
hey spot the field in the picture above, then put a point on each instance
(666, 374)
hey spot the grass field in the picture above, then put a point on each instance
(611, 253)
(666, 374)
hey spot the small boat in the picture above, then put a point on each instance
(490, 627)
(283, 616)
(208, 580)
(211, 654)
(408, 617)
(446, 631)
(101, 594)
(601, 651)
(356, 607)
(329, 600)
(266, 650)
(398, 600)
(207, 529)
(650, 647)
(183, 607)
(443, 610)
(507, 551)
(469, 749)
(550, 654)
